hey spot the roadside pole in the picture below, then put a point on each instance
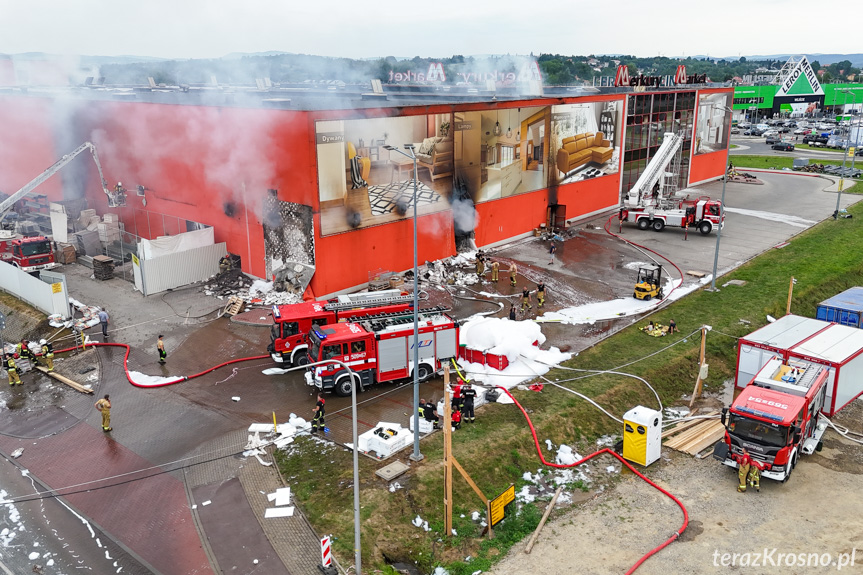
(697, 391)
(790, 291)
(447, 453)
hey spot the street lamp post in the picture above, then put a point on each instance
(416, 455)
(358, 556)
(845, 154)
(721, 209)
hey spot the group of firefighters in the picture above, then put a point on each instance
(23, 352)
(463, 396)
(481, 264)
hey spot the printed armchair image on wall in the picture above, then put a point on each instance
(585, 142)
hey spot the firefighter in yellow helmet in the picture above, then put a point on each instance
(48, 354)
(11, 369)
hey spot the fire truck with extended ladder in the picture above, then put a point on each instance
(35, 253)
(293, 322)
(776, 417)
(655, 202)
(380, 349)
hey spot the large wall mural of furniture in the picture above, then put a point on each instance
(580, 149)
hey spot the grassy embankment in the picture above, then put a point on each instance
(498, 448)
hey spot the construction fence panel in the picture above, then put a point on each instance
(50, 298)
(178, 269)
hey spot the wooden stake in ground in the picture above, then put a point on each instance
(790, 291)
(697, 391)
(447, 454)
(542, 521)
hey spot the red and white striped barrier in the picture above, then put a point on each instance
(326, 551)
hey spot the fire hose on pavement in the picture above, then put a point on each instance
(178, 379)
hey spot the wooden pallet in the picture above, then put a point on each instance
(235, 305)
(695, 438)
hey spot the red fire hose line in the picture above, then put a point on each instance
(621, 238)
(164, 383)
(526, 416)
(676, 534)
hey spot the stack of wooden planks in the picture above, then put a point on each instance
(695, 435)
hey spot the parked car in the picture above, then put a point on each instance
(802, 131)
(783, 146)
(815, 140)
(752, 132)
(783, 130)
(735, 130)
(772, 139)
(769, 133)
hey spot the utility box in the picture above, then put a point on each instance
(642, 435)
(845, 308)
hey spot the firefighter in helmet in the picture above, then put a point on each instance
(48, 353)
(11, 369)
(744, 464)
(225, 263)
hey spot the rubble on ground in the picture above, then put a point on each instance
(234, 283)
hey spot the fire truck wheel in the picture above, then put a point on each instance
(343, 386)
(301, 359)
(643, 224)
(794, 460)
(658, 225)
(423, 372)
(705, 228)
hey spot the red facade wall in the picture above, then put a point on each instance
(707, 167)
(27, 145)
(345, 260)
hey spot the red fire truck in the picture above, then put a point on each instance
(380, 349)
(776, 417)
(293, 322)
(30, 254)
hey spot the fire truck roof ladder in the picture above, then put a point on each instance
(383, 323)
(655, 169)
(406, 313)
(371, 302)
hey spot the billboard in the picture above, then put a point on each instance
(713, 123)
(585, 141)
(362, 183)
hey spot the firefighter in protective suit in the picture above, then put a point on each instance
(225, 263)
(480, 267)
(48, 354)
(754, 476)
(744, 464)
(11, 369)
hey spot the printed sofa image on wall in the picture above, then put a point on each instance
(584, 141)
(389, 198)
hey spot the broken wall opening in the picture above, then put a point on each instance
(289, 243)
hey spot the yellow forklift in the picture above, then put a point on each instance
(648, 283)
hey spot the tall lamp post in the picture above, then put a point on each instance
(847, 144)
(728, 112)
(416, 455)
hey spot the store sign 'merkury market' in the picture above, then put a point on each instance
(622, 78)
(435, 73)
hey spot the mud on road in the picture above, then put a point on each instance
(818, 511)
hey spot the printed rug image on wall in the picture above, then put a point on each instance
(384, 198)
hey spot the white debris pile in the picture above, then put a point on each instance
(88, 312)
(419, 522)
(234, 283)
(452, 271)
(513, 339)
(280, 498)
(672, 413)
(606, 441)
(566, 456)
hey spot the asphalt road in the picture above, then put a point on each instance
(754, 145)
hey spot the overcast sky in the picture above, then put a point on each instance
(213, 28)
